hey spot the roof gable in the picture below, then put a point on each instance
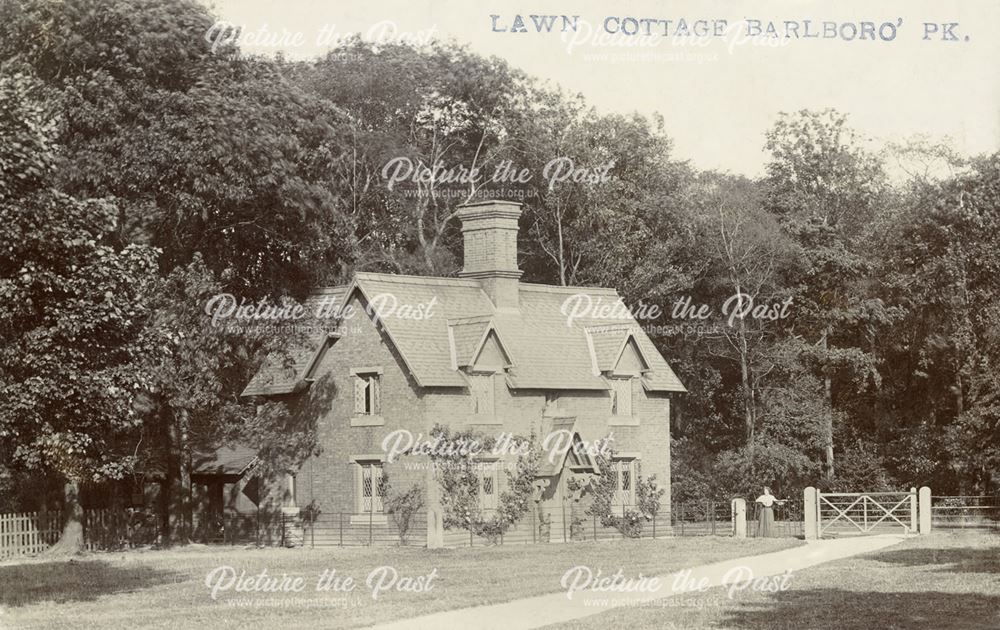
(491, 355)
(615, 349)
(477, 344)
(631, 360)
(575, 454)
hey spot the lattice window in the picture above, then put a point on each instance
(624, 472)
(371, 491)
(367, 394)
(489, 486)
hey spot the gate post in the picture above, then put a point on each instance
(925, 510)
(739, 512)
(435, 529)
(913, 511)
(810, 512)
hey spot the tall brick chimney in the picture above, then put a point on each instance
(489, 229)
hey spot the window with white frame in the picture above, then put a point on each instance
(625, 473)
(489, 485)
(367, 394)
(481, 387)
(621, 397)
(371, 487)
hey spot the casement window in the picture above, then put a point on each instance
(481, 386)
(551, 404)
(576, 459)
(367, 394)
(489, 485)
(371, 487)
(625, 475)
(621, 397)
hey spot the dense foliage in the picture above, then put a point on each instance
(142, 171)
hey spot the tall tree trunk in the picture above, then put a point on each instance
(71, 540)
(748, 415)
(828, 397)
(828, 404)
(959, 393)
(749, 412)
(185, 478)
(179, 481)
(562, 252)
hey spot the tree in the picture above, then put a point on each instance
(71, 312)
(941, 270)
(428, 128)
(748, 256)
(825, 188)
(205, 151)
(219, 162)
(622, 212)
(560, 217)
(197, 370)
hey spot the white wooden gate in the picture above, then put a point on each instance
(867, 512)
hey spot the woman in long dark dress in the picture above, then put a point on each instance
(767, 501)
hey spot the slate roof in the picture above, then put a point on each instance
(286, 374)
(607, 344)
(466, 338)
(226, 460)
(547, 350)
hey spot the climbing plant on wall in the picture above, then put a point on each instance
(629, 520)
(458, 458)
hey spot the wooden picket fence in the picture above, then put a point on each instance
(28, 533)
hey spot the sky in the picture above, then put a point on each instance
(717, 94)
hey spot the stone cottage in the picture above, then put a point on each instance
(482, 351)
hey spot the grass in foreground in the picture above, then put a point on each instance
(167, 588)
(938, 582)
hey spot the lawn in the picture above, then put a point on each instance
(938, 582)
(168, 588)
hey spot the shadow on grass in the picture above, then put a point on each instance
(60, 582)
(954, 560)
(834, 609)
